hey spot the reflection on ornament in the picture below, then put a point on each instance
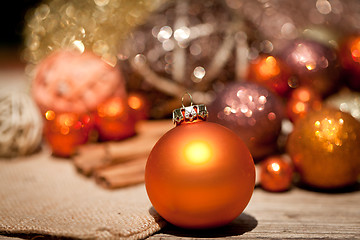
(199, 174)
(276, 174)
(186, 45)
(252, 112)
(272, 72)
(113, 120)
(66, 131)
(346, 101)
(140, 106)
(69, 81)
(350, 59)
(302, 101)
(315, 64)
(324, 147)
(87, 25)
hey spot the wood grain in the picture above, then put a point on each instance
(296, 214)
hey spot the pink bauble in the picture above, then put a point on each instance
(67, 81)
(252, 112)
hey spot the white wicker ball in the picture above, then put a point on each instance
(20, 122)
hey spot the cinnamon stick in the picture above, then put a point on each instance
(92, 157)
(122, 175)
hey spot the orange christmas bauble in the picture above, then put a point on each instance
(302, 101)
(200, 175)
(114, 120)
(272, 72)
(324, 147)
(64, 132)
(276, 174)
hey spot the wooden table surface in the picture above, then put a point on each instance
(296, 214)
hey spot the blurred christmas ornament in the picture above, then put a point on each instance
(72, 82)
(273, 73)
(87, 25)
(253, 113)
(302, 100)
(66, 131)
(324, 147)
(20, 122)
(186, 45)
(114, 121)
(350, 59)
(139, 105)
(316, 65)
(276, 174)
(346, 101)
(279, 21)
(199, 174)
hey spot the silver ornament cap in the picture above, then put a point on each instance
(192, 113)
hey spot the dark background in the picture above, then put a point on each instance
(12, 21)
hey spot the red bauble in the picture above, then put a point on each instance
(114, 121)
(139, 106)
(276, 174)
(350, 59)
(316, 65)
(272, 72)
(200, 175)
(66, 131)
(252, 112)
(302, 100)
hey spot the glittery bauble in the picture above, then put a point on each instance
(324, 147)
(350, 59)
(68, 81)
(301, 101)
(139, 105)
(271, 72)
(276, 174)
(200, 175)
(316, 65)
(91, 25)
(346, 101)
(252, 112)
(66, 131)
(114, 120)
(185, 45)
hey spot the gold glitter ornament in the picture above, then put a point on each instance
(93, 25)
(324, 147)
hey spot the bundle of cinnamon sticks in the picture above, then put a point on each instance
(120, 164)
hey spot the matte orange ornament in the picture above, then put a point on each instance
(113, 120)
(276, 174)
(324, 147)
(199, 174)
(66, 131)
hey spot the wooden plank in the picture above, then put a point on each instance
(296, 214)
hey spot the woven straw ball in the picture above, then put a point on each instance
(68, 81)
(20, 123)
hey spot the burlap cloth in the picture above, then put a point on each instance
(44, 195)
